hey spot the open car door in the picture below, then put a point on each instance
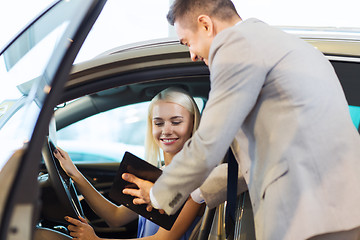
(33, 70)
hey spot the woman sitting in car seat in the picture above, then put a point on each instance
(173, 117)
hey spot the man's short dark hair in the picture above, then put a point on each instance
(191, 9)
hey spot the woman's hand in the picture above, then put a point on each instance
(66, 162)
(80, 229)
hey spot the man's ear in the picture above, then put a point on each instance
(206, 24)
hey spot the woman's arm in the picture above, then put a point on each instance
(114, 215)
(82, 230)
(186, 217)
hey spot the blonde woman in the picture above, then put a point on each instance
(173, 117)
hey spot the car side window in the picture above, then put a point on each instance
(106, 136)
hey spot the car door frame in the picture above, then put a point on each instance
(23, 196)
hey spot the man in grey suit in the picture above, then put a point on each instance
(278, 103)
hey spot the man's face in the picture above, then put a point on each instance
(198, 40)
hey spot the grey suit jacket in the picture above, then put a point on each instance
(278, 101)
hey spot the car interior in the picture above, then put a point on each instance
(101, 175)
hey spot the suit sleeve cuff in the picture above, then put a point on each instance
(197, 196)
(153, 201)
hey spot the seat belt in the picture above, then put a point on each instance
(232, 181)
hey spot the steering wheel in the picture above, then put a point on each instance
(67, 202)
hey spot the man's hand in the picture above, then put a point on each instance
(142, 195)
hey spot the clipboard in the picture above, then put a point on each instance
(144, 170)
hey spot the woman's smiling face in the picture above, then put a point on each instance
(172, 126)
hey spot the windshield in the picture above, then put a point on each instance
(24, 81)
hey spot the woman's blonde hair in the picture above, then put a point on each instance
(172, 95)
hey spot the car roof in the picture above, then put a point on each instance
(148, 62)
(168, 55)
(332, 43)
